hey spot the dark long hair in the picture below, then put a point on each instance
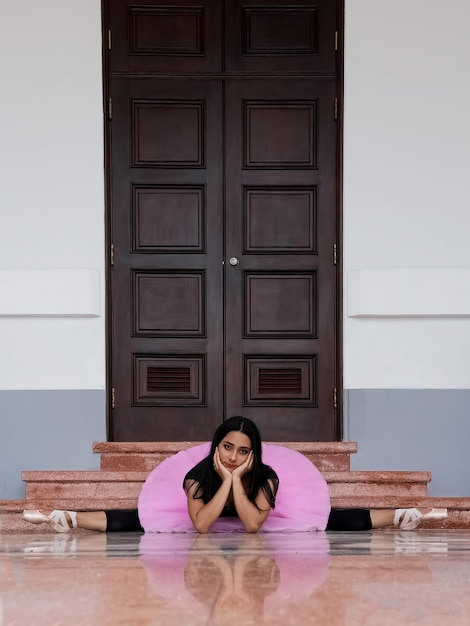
(261, 475)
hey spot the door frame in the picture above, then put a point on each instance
(339, 286)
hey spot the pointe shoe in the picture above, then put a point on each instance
(409, 519)
(58, 519)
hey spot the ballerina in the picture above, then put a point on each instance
(236, 483)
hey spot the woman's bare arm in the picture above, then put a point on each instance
(204, 515)
(253, 517)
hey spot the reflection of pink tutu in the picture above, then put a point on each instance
(178, 566)
(302, 503)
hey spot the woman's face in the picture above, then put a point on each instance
(234, 449)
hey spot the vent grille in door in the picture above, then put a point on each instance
(169, 379)
(280, 381)
(287, 381)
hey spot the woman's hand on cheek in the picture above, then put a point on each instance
(245, 467)
(221, 470)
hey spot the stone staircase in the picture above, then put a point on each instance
(125, 466)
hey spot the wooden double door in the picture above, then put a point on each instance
(223, 188)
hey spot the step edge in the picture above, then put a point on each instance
(377, 476)
(342, 476)
(45, 476)
(136, 447)
(452, 502)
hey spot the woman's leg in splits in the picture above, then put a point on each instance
(103, 521)
(367, 519)
(339, 519)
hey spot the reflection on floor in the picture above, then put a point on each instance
(370, 578)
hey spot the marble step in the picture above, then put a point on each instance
(83, 485)
(459, 508)
(125, 486)
(145, 456)
(373, 483)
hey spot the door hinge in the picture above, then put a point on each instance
(335, 398)
(335, 254)
(110, 108)
(109, 40)
(113, 398)
(111, 254)
(336, 108)
(336, 40)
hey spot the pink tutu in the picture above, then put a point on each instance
(302, 503)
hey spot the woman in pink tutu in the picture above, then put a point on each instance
(236, 483)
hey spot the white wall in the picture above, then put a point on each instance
(407, 155)
(406, 206)
(52, 191)
(406, 200)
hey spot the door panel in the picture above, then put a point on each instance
(167, 273)
(280, 201)
(281, 36)
(157, 35)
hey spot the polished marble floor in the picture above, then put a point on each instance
(382, 578)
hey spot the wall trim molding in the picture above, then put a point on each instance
(409, 292)
(50, 293)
